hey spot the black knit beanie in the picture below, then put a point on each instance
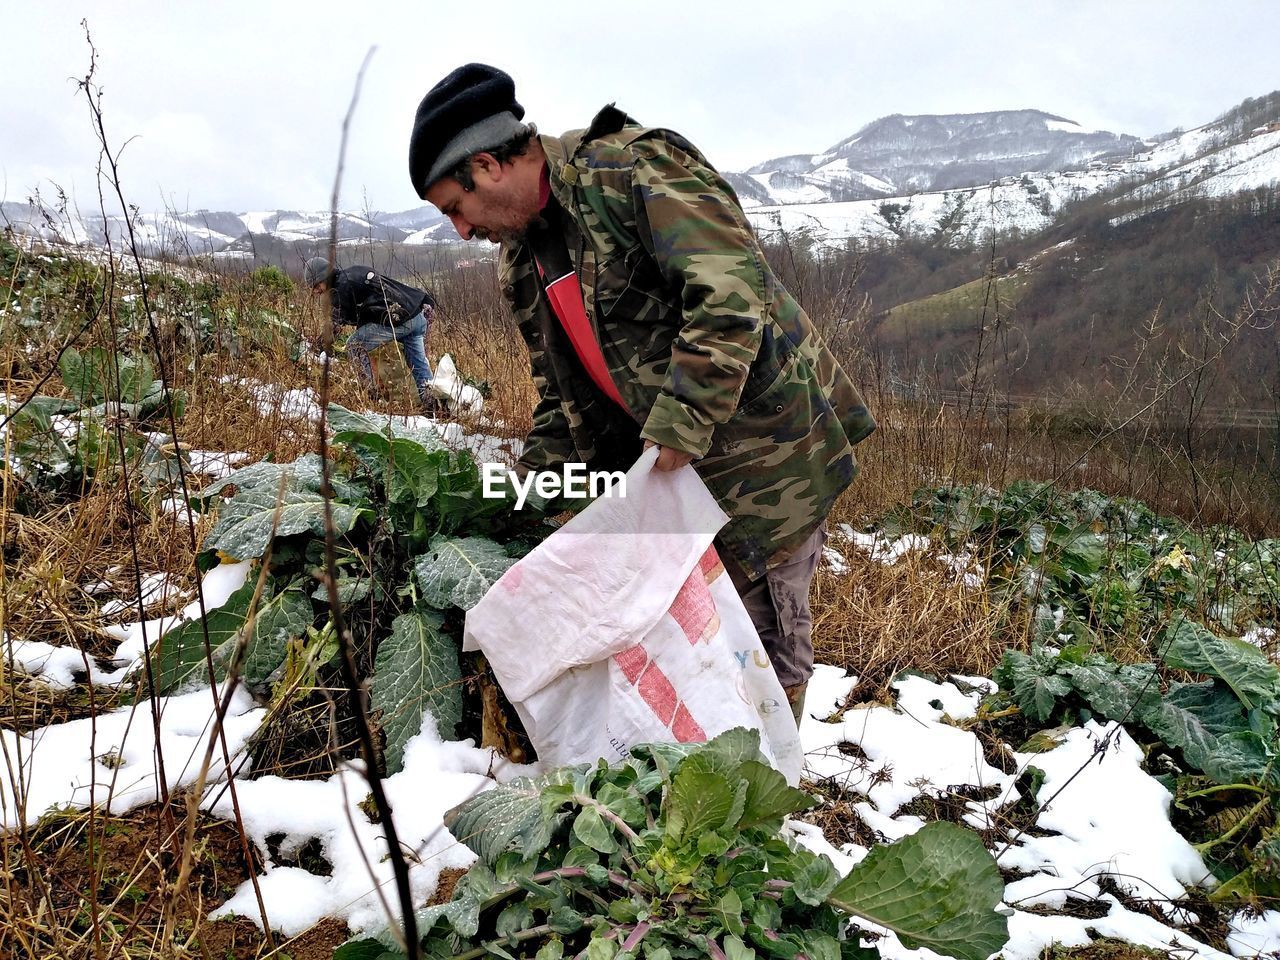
(471, 110)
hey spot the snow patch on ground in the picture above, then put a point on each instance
(157, 588)
(1030, 934)
(1260, 636)
(1132, 842)
(179, 508)
(910, 750)
(1255, 936)
(55, 666)
(907, 752)
(437, 776)
(914, 746)
(271, 399)
(214, 463)
(217, 586)
(880, 546)
(110, 760)
(58, 666)
(968, 571)
(834, 561)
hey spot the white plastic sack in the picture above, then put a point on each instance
(462, 398)
(623, 628)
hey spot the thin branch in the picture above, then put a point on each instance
(408, 935)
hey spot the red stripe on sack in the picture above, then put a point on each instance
(693, 608)
(659, 695)
(510, 581)
(632, 661)
(685, 728)
(656, 690)
(710, 564)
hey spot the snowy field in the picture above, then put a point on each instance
(1101, 833)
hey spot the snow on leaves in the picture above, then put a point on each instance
(585, 860)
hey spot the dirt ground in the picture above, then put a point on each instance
(99, 887)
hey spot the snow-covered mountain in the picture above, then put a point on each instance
(956, 177)
(897, 155)
(220, 232)
(37, 219)
(1216, 159)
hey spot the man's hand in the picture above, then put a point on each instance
(668, 458)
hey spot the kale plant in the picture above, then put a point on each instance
(418, 545)
(678, 852)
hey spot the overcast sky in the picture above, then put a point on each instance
(238, 105)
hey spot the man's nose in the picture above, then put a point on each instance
(465, 229)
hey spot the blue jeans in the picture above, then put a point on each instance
(411, 336)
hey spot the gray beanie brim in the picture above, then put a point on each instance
(485, 135)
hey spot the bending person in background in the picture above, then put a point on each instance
(381, 310)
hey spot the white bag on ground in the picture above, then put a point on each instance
(462, 398)
(623, 628)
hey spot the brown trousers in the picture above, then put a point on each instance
(779, 607)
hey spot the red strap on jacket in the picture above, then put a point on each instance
(565, 295)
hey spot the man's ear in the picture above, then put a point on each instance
(486, 165)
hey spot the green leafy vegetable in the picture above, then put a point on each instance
(1035, 685)
(416, 669)
(246, 525)
(302, 474)
(515, 816)
(179, 657)
(458, 572)
(676, 853)
(1241, 666)
(936, 888)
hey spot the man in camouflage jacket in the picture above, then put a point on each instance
(713, 360)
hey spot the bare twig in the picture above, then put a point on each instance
(408, 933)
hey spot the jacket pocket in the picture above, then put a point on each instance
(624, 289)
(764, 392)
(783, 416)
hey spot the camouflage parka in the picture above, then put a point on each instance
(712, 356)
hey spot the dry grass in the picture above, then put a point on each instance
(1104, 949)
(877, 620)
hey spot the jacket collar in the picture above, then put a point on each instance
(562, 151)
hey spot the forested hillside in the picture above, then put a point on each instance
(1076, 304)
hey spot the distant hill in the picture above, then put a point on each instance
(223, 233)
(1238, 152)
(898, 155)
(1184, 236)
